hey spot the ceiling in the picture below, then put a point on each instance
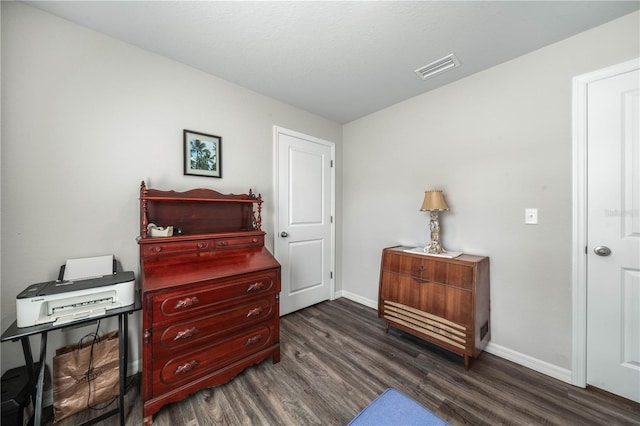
(339, 59)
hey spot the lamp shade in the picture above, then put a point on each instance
(433, 200)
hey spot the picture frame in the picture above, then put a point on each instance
(202, 154)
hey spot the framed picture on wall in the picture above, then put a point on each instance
(202, 154)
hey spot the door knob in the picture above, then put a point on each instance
(284, 234)
(602, 251)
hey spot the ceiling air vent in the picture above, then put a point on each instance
(436, 67)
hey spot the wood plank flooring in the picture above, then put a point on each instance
(336, 358)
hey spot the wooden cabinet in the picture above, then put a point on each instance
(210, 294)
(444, 301)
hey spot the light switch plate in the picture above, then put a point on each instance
(531, 216)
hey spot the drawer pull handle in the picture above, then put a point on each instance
(187, 303)
(421, 281)
(156, 249)
(255, 311)
(255, 286)
(202, 245)
(422, 268)
(255, 240)
(185, 334)
(223, 243)
(185, 368)
(253, 340)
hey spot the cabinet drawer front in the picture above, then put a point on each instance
(444, 273)
(173, 371)
(237, 242)
(427, 269)
(451, 303)
(162, 248)
(221, 322)
(195, 300)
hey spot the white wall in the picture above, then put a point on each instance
(86, 118)
(496, 142)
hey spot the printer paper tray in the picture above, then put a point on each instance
(77, 315)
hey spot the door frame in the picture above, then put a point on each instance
(579, 249)
(276, 195)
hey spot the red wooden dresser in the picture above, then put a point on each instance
(210, 292)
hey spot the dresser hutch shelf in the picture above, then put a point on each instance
(210, 293)
(443, 301)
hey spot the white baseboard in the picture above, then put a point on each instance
(358, 299)
(535, 364)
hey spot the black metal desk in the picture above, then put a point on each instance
(15, 333)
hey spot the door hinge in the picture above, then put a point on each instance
(331, 219)
(331, 274)
(331, 163)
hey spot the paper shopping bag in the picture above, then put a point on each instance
(85, 375)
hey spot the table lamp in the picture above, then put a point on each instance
(434, 203)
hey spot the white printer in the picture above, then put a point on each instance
(85, 288)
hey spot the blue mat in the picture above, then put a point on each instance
(395, 408)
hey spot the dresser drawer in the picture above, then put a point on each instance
(162, 248)
(426, 269)
(238, 242)
(195, 300)
(207, 327)
(183, 367)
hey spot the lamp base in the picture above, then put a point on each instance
(434, 248)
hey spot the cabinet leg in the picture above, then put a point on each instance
(467, 358)
(147, 421)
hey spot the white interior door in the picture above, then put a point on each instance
(613, 234)
(304, 240)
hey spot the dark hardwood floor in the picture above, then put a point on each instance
(337, 358)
